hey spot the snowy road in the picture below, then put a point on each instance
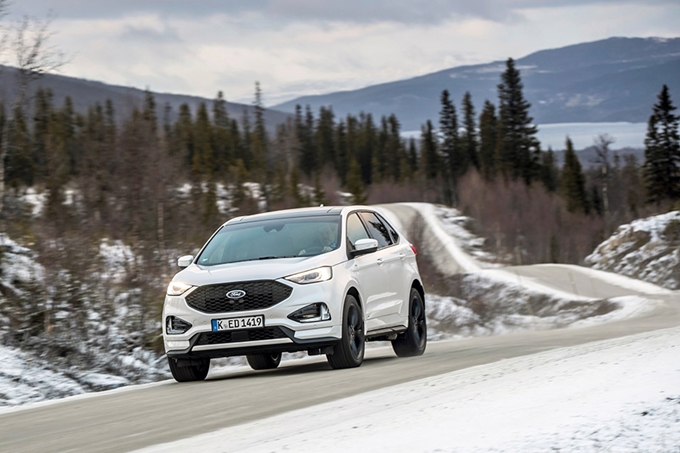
(168, 412)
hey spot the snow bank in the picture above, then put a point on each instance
(455, 258)
(615, 395)
(647, 249)
(24, 379)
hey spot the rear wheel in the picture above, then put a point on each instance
(413, 341)
(349, 352)
(197, 371)
(264, 361)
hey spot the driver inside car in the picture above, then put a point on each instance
(324, 241)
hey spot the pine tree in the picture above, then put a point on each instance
(184, 136)
(367, 142)
(222, 140)
(469, 141)
(110, 127)
(429, 155)
(305, 137)
(41, 118)
(20, 165)
(380, 155)
(149, 111)
(412, 155)
(355, 185)
(203, 163)
(662, 151)
(394, 149)
(517, 145)
(572, 181)
(342, 157)
(259, 144)
(488, 139)
(325, 140)
(457, 159)
(549, 173)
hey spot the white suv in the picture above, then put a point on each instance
(322, 280)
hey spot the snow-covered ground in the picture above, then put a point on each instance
(56, 363)
(648, 249)
(617, 395)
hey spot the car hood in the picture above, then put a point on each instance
(255, 270)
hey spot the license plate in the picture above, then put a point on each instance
(245, 322)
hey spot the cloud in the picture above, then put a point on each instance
(145, 34)
(290, 11)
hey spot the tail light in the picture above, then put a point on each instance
(413, 247)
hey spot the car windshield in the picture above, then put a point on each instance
(271, 239)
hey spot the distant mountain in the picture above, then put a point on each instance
(84, 93)
(615, 79)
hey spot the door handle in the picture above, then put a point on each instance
(402, 255)
(379, 261)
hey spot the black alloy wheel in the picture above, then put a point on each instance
(414, 340)
(349, 351)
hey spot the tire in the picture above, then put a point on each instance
(349, 352)
(414, 340)
(264, 361)
(191, 372)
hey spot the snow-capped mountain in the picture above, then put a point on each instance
(611, 80)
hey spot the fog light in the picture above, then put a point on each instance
(311, 313)
(176, 326)
(183, 344)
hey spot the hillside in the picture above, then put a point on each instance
(84, 94)
(648, 249)
(616, 79)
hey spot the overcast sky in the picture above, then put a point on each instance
(296, 47)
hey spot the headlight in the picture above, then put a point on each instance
(178, 288)
(320, 274)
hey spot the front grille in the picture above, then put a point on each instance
(267, 333)
(259, 295)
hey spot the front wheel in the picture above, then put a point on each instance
(264, 361)
(413, 341)
(197, 371)
(349, 352)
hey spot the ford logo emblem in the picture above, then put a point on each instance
(236, 294)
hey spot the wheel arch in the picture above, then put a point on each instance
(419, 287)
(355, 293)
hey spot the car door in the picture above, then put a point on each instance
(386, 308)
(367, 271)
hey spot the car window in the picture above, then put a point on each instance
(355, 229)
(271, 239)
(393, 232)
(377, 230)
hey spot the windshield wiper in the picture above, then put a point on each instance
(276, 257)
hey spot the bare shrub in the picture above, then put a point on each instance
(527, 222)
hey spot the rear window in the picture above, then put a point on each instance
(390, 228)
(376, 229)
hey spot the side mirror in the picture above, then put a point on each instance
(364, 246)
(184, 261)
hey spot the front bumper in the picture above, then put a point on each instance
(290, 336)
(318, 345)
